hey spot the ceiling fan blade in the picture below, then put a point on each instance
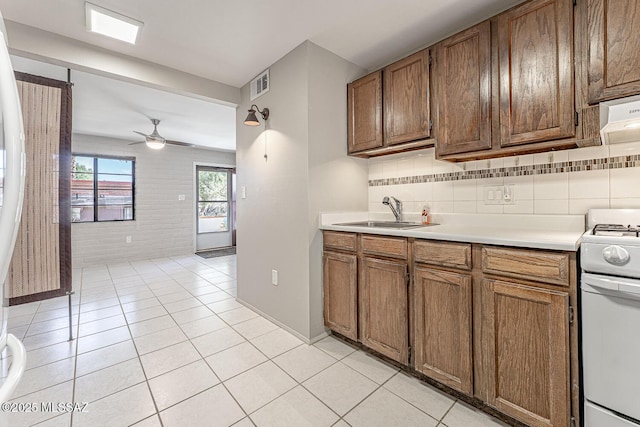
(140, 133)
(181, 144)
(139, 142)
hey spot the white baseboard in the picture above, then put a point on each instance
(283, 326)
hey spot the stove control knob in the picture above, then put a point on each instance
(616, 255)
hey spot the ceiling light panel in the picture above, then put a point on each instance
(112, 24)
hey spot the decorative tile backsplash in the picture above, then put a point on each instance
(560, 167)
(563, 182)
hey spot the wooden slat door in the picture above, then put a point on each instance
(406, 99)
(462, 69)
(528, 345)
(364, 113)
(442, 331)
(535, 43)
(340, 283)
(614, 49)
(383, 303)
(41, 262)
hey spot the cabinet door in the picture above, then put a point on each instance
(340, 283)
(614, 49)
(462, 68)
(364, 105)
(406, 99)
(536, 72)
(528, 349)
(442, 332)
(383, 307)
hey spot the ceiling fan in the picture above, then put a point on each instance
(156, 141)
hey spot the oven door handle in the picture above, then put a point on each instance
(616, 284)
(630, 288)
(601, 282)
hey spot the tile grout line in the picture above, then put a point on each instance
(155, 405)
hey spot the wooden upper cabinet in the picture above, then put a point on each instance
(462, 74)
(614, 49)
(536, 74)
(528, 351)
(406, 99)
(383, 305)
(364, 105)
(340, 286)
(442, 327)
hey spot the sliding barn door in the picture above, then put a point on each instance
(41, 263)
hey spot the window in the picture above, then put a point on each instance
(102, 188)
(213, 200)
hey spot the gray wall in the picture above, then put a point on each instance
(306, 171)
(164, 226)
(336, 182)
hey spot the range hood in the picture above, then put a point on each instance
(620, 120)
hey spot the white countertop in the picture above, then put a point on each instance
(556, 232)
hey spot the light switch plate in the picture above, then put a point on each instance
(499, 195)
(493, 195)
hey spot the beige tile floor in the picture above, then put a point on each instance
(163, 342)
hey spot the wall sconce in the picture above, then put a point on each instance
(252, 120)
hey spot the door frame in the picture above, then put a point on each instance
(194, 192)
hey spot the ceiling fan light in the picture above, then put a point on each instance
(156, 145)
(251, 119)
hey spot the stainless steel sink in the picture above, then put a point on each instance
(385, 224)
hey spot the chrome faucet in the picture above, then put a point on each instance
(397, 211)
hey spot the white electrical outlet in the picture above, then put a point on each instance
(181, 197)
(508, 197)
(243, 192)
(128, 239)
(274, 277)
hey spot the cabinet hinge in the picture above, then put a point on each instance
(409, 354)
(576, 117)
(430, 124)
(572, 421)
(430, 59)
(575, 2)
(408, 278)
(570, 314)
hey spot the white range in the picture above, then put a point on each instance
(610, 292)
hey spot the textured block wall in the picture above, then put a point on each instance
(164, 225)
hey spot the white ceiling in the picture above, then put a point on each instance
(233, 41)
(230, 42)
(112, 108)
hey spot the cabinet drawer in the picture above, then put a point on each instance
(457, 255)
(549, 267)
(340, 240)
(393, 247)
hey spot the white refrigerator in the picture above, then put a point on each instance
(12, 176)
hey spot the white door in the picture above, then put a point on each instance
(213, 207)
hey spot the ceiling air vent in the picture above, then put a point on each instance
(260, 85)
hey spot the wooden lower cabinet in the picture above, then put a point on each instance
(489, 321)
(383, 307)
(527, 345)
(442, 326)
(340, 286)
